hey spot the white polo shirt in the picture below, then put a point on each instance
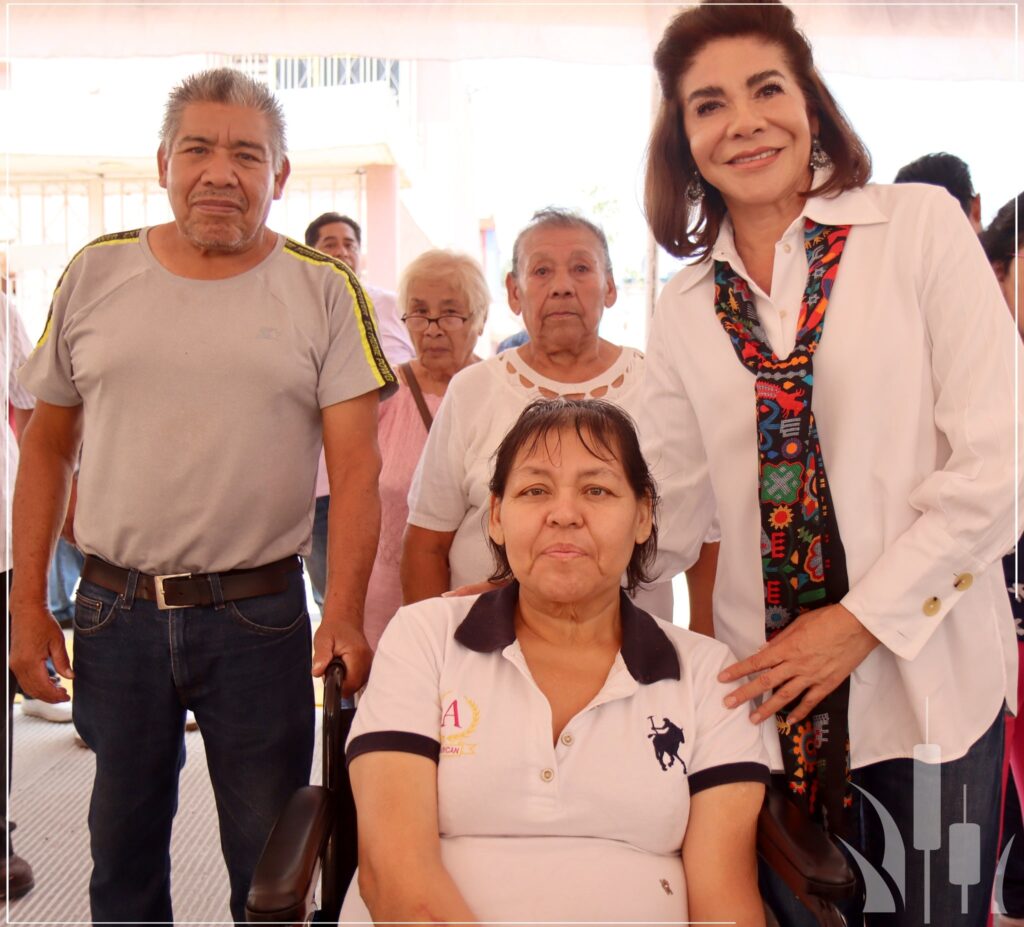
(589, 828)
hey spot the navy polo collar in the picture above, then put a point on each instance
(648, 653)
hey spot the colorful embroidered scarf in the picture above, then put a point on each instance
(802, 558)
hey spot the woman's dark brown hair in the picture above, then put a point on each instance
(688, 230)
(606, 432)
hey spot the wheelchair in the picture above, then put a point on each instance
(315, 838)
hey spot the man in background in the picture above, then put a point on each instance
(341, 237)
(950, 172)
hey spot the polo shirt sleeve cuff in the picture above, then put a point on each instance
(726, 774)
(394, 742)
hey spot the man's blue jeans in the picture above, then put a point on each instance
(244, 669)
(892, 785)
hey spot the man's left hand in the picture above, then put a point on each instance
(337, 639)
(812, 656)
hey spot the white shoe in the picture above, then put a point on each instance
(190, 722)
(57, 712)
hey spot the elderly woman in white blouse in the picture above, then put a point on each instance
(561, 283)
(832, 377)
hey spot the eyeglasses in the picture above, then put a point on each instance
(447, 323)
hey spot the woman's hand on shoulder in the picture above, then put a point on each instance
(812, 657)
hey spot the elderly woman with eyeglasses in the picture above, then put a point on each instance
(444, 299)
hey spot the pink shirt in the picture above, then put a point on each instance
(401, 435)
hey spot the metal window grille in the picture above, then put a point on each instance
(306, 72)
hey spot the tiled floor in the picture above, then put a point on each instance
(49, 800)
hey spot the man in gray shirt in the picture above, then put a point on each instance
(197, 365)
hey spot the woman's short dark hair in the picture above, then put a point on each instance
(687, 230)
(608, 433)
(1002, 239)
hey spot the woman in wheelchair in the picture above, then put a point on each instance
(547, 751)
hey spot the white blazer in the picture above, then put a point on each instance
(914, 397)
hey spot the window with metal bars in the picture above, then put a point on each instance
(299, 73)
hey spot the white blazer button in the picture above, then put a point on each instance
(567, 739)
(547, 774)
(963, 582)
(931, 606)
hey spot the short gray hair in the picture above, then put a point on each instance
(225, 85)
(460, 270)
(554, 217)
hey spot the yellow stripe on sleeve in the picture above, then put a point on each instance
(114, 238)
(362, 307)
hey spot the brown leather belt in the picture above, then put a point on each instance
(184, 590)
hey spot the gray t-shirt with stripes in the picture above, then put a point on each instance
(201, 399)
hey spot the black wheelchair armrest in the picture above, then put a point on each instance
(801, 853)
(286, 876)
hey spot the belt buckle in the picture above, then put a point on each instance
(158, 586)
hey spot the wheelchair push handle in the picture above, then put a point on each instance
(337, 721)
(334, 678)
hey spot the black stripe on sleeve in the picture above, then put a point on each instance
(398, 741)
(728, 772)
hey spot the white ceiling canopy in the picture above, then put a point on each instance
(909, 38)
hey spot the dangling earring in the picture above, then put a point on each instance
(695, 189)
(819, 156)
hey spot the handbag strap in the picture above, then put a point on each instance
(417, 394)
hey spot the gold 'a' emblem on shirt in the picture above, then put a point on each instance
(462, 715)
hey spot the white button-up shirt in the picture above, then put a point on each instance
(914, 399)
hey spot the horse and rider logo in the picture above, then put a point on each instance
(666, 739)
